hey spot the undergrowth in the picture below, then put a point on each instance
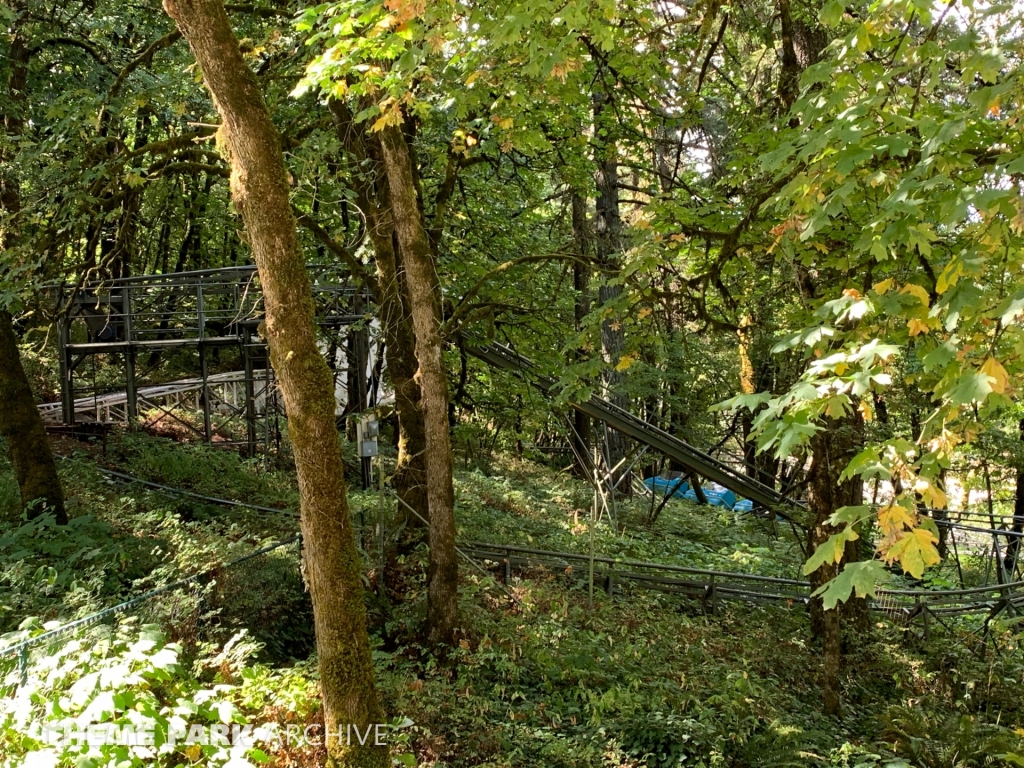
(643, 681)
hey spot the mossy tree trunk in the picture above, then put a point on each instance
(417, 255)
(581, 308)
(831, 451)
(22, 428)
(608, 242)
(259, 189)
(371, 186)
(20, 422)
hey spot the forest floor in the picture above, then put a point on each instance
(644, 680)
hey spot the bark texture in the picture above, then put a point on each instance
(581, 308)
(414, 244)
(608, 247)
(1013, 545)
(22, 428)
(20, 422)
(831, 450)
(259, 189)
(371, 186)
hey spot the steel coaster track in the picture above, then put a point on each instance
(623, 421)
(51, 412)
(705, 584)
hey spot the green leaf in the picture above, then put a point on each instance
(940, 357)
(831, 550)
(832, 13)
(971, 387)
(850, 515)
(862, 578)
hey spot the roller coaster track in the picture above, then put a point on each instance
(112, 407)
(709, 587)
(625, 422)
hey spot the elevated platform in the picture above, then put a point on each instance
(116, 335)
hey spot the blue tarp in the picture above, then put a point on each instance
(716, 496)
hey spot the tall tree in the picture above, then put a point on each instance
(20, 422)
(369, 181)
(259, 187)
(607, 248)
(425, 305)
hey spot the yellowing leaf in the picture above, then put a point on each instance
(917, 291)
(625, 361)
(835, 407)
(882, 287)
(865, 410)
(894, 518)
(930, 493)
(405, 10)
(830, 551)
(1001, 378)
(916, 326)
(915, 552)
(949, 276)
(391, 116)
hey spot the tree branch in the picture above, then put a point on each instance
(358, 268)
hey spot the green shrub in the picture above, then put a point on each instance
(48, 569)
(125, 678)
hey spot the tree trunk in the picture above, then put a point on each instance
(831, 450)
(581, 284)
(1013, 545)
(371, 186)
(755, 376)
(22, 428)
(414, 245)
(20, 422)
(802, 45)
(608, 245)
(259, 187)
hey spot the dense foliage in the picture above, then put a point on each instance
(789, 233)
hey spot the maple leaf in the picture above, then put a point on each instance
(1000, 378)
(625, 361)
(894, 518)
(865, 410)
(862, 577)
(930, 494)
(831, 550)
(916, 326)
(406, 10)
(915, 551)
(917, 291)
(882, 287)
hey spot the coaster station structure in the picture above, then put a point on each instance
(114, 336)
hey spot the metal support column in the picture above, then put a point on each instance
(132, 404)
(204, 366)
(250, 393)
(67, 371)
